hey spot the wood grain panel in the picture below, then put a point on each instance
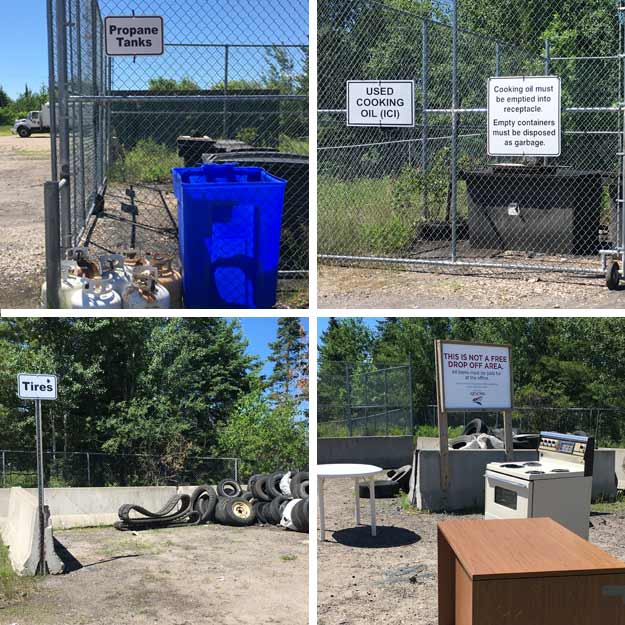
(446, 582)
(464, 597)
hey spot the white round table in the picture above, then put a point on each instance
(359, 472)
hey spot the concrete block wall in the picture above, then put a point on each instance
(388, 452)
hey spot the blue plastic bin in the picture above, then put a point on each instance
(229, 221)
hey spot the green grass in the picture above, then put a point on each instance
(148, 161)
(610, 506)
(12, 586)
(5, 131)
(288, 557)
(431, 431)
(295, 146)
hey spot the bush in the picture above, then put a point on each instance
(247, 135)
(148, 161)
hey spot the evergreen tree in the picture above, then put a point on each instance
(289, 355)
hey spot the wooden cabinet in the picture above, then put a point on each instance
(525, 572)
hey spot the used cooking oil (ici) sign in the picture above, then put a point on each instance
(524, 116)
(380, 103)
(474, 376)
(130, 35)
(36, 386)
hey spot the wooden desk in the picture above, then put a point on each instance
(525, 572)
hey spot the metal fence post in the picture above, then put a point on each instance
(454, 130)
(547, 72)
(236, 470)
(348, 403)
(63, 125)
(226, 78)
(4, 469)
(425, 53)
(53, 242)
(410, 407)
(88, 469)
(52, 91)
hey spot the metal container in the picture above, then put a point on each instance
(145, 290)
(87, 268)
(70, 284)
(113, 268)
(98, 294)
(169, 278)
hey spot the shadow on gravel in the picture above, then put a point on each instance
(387, 537)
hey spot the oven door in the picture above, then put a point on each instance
(507, 497)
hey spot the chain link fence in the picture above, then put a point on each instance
(233, 76)
(365, 399)
(431, 194)
(77, 468)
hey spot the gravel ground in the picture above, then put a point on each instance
(24, 167)
(358, 287)
(364, 580)
(180, 576)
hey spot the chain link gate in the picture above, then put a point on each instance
(431, 195)
(230, 71)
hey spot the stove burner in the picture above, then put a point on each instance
(534, 472)
(559, 470)
(511, 466)
(532, 464)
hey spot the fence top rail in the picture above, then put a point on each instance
(102, 453)
(178, 98)
(182, 44)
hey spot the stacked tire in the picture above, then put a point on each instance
(281, 498)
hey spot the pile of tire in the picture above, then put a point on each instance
(270, 499)
(280, 498)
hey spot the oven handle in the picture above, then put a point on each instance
(505, 481)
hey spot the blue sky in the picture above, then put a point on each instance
(260, 331)
(23, 50)
(322, 324)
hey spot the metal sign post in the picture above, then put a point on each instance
(38, 387)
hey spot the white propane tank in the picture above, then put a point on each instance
(113, 268)
(98, 294)
(145, 291)
(70, 283)
(88, 268)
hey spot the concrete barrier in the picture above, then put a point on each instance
(619, 467)
(388, 452)
(466, 477)
(20, 533)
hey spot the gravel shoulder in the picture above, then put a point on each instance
(24, 167)
(397, 582)
(360, 287)
(179, 576)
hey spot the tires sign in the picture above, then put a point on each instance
(130, 35)
(387, 103)
(36, 386)
(474, 376)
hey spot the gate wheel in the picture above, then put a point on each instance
(612, 275)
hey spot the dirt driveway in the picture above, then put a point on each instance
(392, 578)
(24, 167)
(180, 576)
(357, 287)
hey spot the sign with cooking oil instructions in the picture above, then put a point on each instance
(380, 103)
(474, 376)
(524, 116)
(134, 35)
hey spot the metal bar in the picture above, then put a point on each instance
(53, 242)
(614, 57)
(81, 120)
(4, 470)
(88, 469)
(454, 130)
(52, 91)
(461, 263)
(64, 154)
(410, 408)
(94, 78)
(570, 109)
(185, 98)
(547, 72)
(42, 569)
(225, 107)
(425, 51)
(237, 45)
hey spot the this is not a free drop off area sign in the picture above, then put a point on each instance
(380, 103)
(524, 116)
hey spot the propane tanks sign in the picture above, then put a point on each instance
(380, 103)
(524, 116)
(474, 376)
(130, 35)
(36, 386)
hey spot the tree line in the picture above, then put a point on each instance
(29, 100)
(173, 388)
(557, 362)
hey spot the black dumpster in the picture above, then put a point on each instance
(534, 209)
(294, 169)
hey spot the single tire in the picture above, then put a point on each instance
(247, 495)
(204, 500)
(23, 132)
(272, 512)
(259, 488)
(258, 509)
(296, 480)
(460, 441)
(476, 426)
(239, 511)
(612, 275)
(296, 516)
(272, 484)
(220, 511)
(384, 489)
(252, 480)
(303, 489)
(229, 488)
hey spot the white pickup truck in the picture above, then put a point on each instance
(36, 121)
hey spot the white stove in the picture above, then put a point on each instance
(558, 484)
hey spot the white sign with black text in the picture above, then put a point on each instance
(380, 103)
(524, 116)
(36, 386)
(134, 35)
(475, 377)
